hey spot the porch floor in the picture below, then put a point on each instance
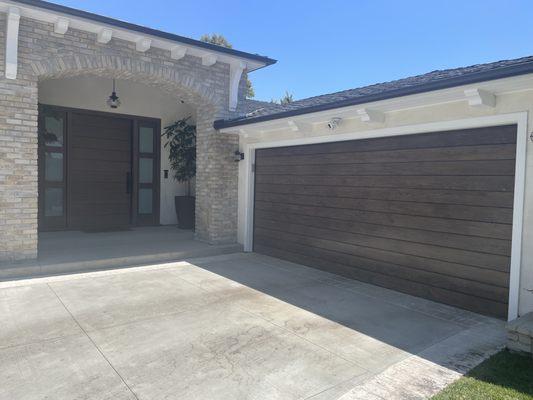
(72, 251)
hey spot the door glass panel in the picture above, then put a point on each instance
(145, 201)
(146, 139)
(53, 202)
(53, 167)
(52, 133)
(146, 170)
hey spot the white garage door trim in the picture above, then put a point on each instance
(520, 119)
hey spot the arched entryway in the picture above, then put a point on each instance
(72, 94)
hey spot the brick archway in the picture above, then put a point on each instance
(205, 89)
(177, 83)
(216, 181)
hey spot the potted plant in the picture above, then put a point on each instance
(181, 141)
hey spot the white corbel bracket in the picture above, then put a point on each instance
(293, 126)
(178, 52)
(480, 98)
(208, 60)
(143, 44)
(61, 26)
(12, 42)
(235, 74)
(369, 115)
(104, 36)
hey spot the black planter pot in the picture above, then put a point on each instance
(185, 207)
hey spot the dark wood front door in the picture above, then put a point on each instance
(100, 171)
(97, 171)
(427, 214)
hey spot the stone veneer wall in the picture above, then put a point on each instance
(44, 54)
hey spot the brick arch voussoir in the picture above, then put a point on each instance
(182, 85)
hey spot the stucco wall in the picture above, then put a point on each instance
(506, 103)
(137, 99)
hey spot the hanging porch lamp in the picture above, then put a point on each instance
(113, 101)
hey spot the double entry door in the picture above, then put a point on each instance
(97, 171)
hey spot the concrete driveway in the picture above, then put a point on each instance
(239, 326)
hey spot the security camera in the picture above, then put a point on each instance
(334, 123)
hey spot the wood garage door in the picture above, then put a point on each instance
(426, 214)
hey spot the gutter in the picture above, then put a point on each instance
(446, 83)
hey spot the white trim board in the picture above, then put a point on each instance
(520, 119)
(317, 121)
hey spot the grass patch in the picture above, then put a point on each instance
(504, 376)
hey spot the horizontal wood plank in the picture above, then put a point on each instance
(464, 153)
(476, 259)
(497, 293)
(423, 168)
(452, 298)
(483, 183)
(427, 214)
(465, 242)
(451, 211)
(465, 137)
(481, 274)
(462, 197)
(472, 228)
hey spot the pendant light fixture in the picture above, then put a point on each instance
(113, 101)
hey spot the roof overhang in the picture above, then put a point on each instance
(482, 94)
(478, 79)
(106, 28)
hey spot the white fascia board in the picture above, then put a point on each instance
(410, 102)
(87, 25)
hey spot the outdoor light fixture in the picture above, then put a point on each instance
(113, 101)
(334, 123)
(238, 156)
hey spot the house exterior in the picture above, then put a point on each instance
(419, 185)
(56, 64)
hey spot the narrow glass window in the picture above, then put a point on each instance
(146, 139)
(53, 167)
(146, 170)
(52, 134)
(53, 202)
(145, 201)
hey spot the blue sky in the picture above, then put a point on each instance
(330, 45)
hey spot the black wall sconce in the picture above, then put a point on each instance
(238, 156)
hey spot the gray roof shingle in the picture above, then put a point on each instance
(434, 80)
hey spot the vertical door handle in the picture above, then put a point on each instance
(128, 183)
